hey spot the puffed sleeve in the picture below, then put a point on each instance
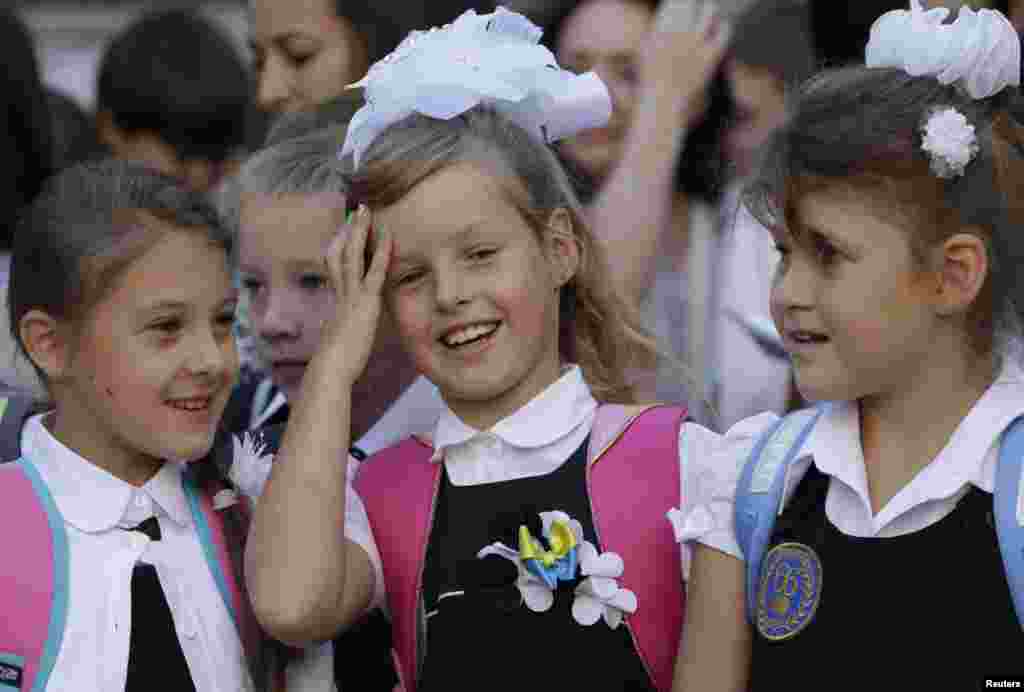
(710, 465)
(357, 530)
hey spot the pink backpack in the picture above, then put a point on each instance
(34, 584)
(631, 489)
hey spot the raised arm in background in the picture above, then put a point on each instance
(635, 204)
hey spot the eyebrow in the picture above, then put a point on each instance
(461, 236)
(832, 237)
(283, 38)
(305, 265)
(179, 306)
(619, 57)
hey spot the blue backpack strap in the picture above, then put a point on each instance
(1007, 495)
(760, 487)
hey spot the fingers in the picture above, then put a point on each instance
(355, 249)
(379, 264)
(683, 15)
(702, 17)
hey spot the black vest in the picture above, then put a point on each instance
(487, 638)
(931, 609)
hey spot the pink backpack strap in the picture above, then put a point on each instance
(209, 524)
(33, 585)
(398, 485)
(633, 480)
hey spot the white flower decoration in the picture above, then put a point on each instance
(250, 466)
(595, 599)
(980, 50)
(596, 596)
(600, 594)
(950, 141)
(492, 59)
(224, 499)
(536, 594)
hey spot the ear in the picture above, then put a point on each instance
(46, 341)
(562, 247)
(962, 264)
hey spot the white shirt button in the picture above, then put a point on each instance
(141, 500)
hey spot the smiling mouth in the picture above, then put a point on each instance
(192, 405)
(469, 335)
(805, 337)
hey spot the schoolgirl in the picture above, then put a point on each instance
(878, 550)
(524, 543)
(288, 201)
(121, 563)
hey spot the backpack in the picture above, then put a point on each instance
(399, 486)
(34, 587)
(760, 488)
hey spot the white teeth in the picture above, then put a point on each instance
(191, 404)
(469, 333)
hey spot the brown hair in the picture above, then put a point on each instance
(599, 329)
(86, 227)
(862, 128)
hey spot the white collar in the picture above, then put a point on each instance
(89, 498)
(416, 411)
(969, 457)
(276, 404)
(548, 417)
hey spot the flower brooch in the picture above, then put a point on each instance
(250, 468)
(566, 556)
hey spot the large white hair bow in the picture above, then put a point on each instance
(492, 59)
(981, 49)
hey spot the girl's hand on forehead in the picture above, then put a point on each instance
(358, 289)
(687, 42)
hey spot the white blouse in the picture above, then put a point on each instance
(968, 459)
(542, 435)
(96, 507)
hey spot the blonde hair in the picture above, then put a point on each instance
(599, 329)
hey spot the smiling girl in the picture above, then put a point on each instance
(121, 297)
(532, 519)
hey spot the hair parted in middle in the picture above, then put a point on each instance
(862, 128)
(599, 329)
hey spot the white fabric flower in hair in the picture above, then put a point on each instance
(950, 142)
(493, 59)
(980, 50)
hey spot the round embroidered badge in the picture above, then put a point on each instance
(789, 592)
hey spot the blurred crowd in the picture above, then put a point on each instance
(174, 91)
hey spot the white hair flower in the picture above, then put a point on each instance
(980, 50)
(950, 141)
(493, 59)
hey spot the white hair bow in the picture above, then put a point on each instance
(492, 59)
(981, 49)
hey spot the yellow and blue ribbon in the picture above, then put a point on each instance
(554, 565)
